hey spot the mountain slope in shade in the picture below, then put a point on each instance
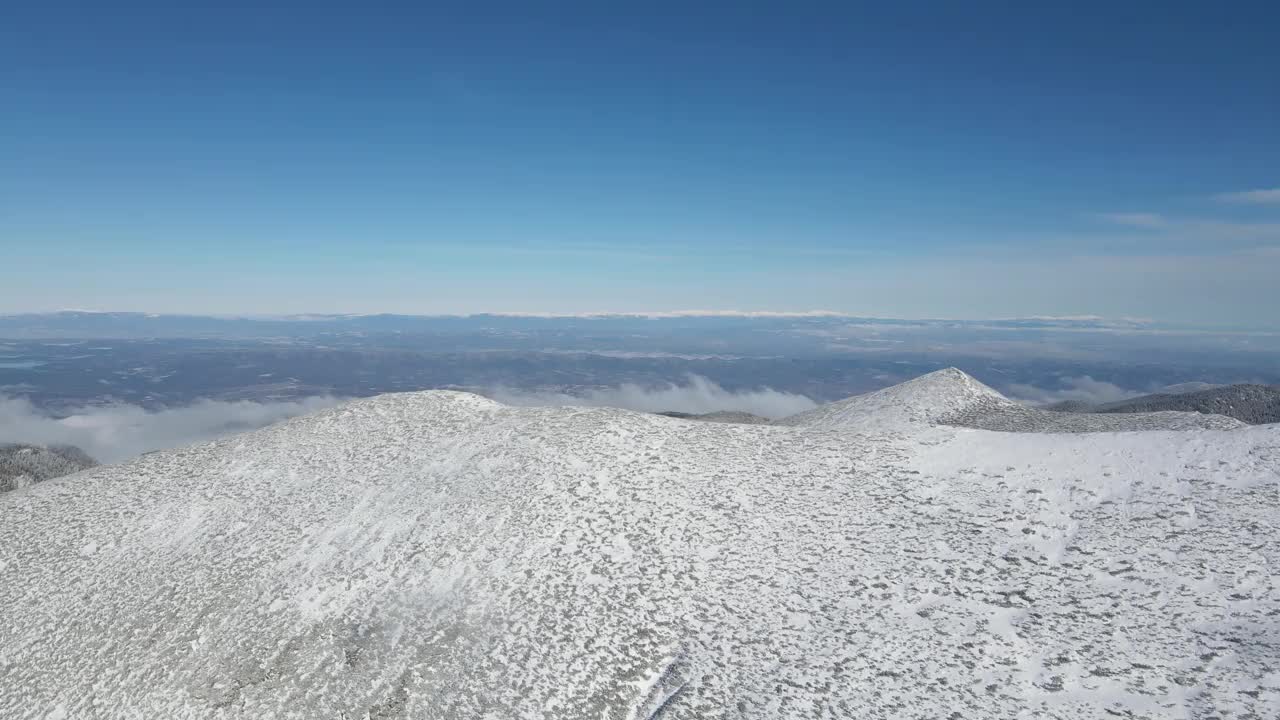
(22, 464)
(1019, 418)
(438, 555)
(1252, 404)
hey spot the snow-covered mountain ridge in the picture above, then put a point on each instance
(23, 464)
(952, 397)
(440, 555)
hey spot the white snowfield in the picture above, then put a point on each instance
(438, 555)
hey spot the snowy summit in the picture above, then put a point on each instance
(440, 555)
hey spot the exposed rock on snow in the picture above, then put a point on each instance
(438, 555)
(724, 416)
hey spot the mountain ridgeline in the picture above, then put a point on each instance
(441, 555)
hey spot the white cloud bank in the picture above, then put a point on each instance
(697, 395)
(118, 432)
(1079, 389)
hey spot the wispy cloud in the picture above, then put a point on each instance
(1136, 219)
(697, 395)
(1268, 196)
(1192, 229)
(1078, 389)
(1226, 230)
(563, 249)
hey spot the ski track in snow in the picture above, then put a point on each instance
(438, 555)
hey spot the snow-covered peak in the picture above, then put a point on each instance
(927, 399)
(952, 397)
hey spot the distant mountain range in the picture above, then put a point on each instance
(1252, 404)
(22, 464)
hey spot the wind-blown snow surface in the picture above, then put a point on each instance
(438, 555)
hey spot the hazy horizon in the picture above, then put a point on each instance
(1128, 323)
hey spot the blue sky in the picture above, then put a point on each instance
(974, 160)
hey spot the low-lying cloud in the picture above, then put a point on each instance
(1077, 389)
(118, 432)
(697, 395)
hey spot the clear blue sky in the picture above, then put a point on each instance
(940, 159)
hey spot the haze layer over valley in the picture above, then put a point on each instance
(120, 384)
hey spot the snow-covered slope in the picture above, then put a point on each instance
(438, 555)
